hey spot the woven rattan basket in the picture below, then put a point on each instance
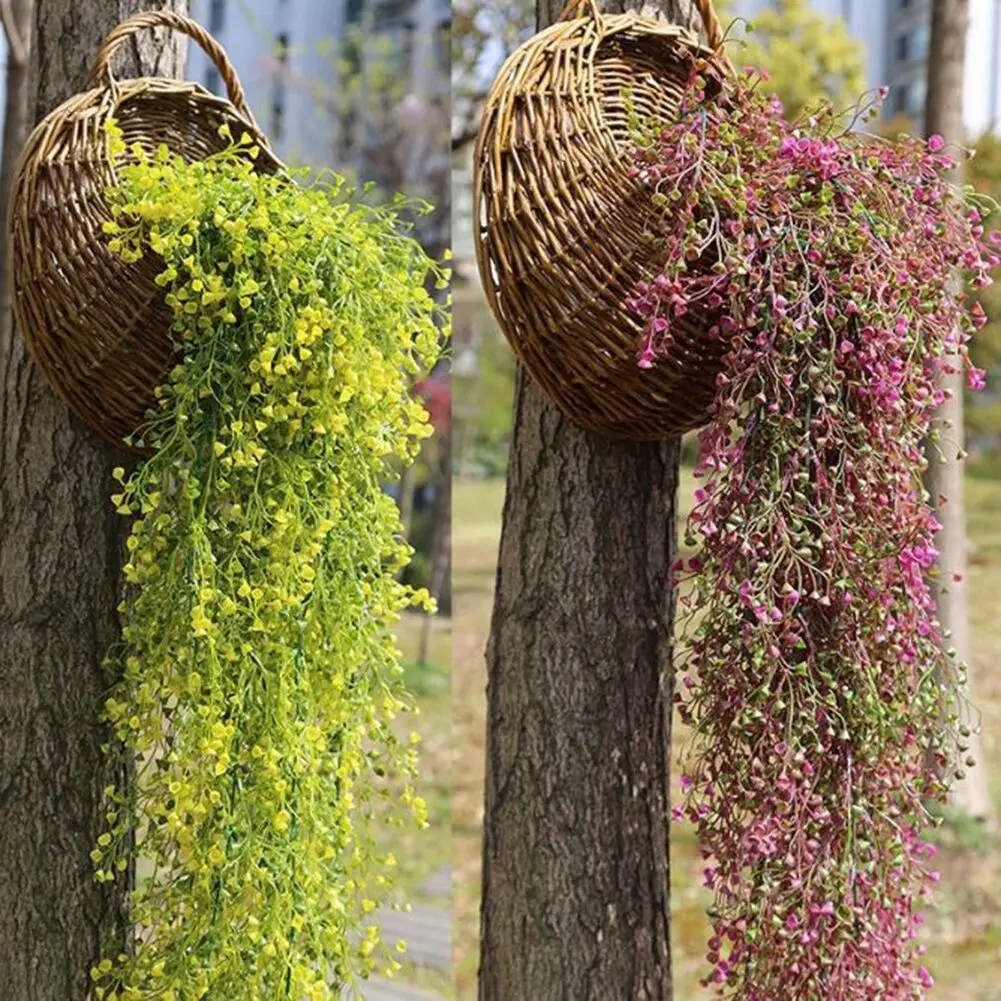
(98, 328)
(563, 230)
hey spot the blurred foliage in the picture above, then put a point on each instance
(377, 132)
(484, 33)
(809, 56)
(382, 131)
(983, 172)
(482, 404)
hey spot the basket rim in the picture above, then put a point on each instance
(126, 89)
(104, 103)
(589, 31)
(595, 31)
(508, 84)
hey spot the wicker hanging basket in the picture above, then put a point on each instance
(97, 327)
(563, 231)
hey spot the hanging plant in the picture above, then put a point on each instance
(824, 706)
(260, 675)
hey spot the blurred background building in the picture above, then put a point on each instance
(360, 85)
(895, 36)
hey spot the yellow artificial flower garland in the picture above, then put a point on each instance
(259, 673)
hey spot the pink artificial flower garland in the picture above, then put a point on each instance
(816, 684)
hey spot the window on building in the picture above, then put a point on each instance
(353, 11)
(917, 91)
(405, 42)
(213, 82)
(898, 100)
(278, 99)
(443, 46)
(217, 16)
(912, 45)
(908, 98)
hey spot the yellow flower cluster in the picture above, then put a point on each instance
(260, 673)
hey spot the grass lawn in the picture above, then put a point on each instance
(965, 933)
(422, 853)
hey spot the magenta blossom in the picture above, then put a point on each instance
(976, 378)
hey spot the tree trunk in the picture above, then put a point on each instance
(944, 477)
(441, 544)
(408, 487)
(575, 903)
(441, 580)
(60, 546)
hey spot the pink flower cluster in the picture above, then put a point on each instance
(816, 684)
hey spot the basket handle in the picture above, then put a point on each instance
(710, 21)
(574, 8)
(714, 33)
(101, 74)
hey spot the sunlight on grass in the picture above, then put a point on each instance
(421, 853)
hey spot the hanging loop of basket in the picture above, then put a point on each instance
(715, 34)
(578, 8)
(98, 327)
(564, 230)
(102, 75)
(707, 13)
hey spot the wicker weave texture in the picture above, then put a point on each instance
(563, 232)
(97, 327)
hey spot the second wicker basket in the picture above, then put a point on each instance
(563, 231)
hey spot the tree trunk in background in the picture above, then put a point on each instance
(575, 903)
(441, 573)
(441, 544)
(60, 546)
(408, 487)
(944, 477)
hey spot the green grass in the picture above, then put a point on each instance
(421, 853)
(965, 951)
(428, 683)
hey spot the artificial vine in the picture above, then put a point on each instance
(260, 675)
(824, 702)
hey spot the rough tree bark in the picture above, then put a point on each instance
(575, 903)
(944, 477)
(60, 546)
